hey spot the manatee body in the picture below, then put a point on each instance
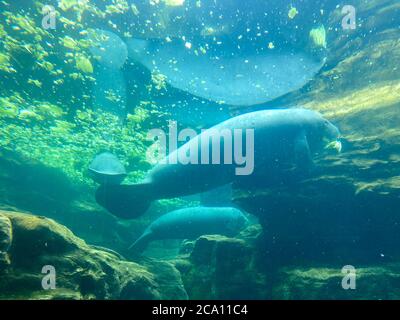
(240, 52)
(280, 136)
(224, 75)
(190, 223)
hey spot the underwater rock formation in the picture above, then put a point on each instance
(340, 225)
(5, 240)
(82, 272)
(222, 268)
(373, 283)
(229, 268)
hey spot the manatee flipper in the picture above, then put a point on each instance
(125, 201)
(141, 243)
(302, 153)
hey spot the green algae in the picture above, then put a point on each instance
(83, 272)
(68, 145)
(83, 64)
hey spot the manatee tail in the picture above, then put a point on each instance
(140, 244)
(125, 201)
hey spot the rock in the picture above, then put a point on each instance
(5, 240)
(227, 268)
(221, 268)
(303, 224)
(168, 278)
(372, 283)
(82, 272)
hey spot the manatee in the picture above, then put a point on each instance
(238, 66)
(281, 137)
(105, 168)
(190, 223)
(241, 79)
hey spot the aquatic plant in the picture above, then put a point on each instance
(173, 3)
(39, 130)
(292, 13)
(8, 108)
(69, 43)
(3, 33)
(318, 36)
(118, 7)
(159, 80)
(4, 61)
(83, 64)
(68, 4)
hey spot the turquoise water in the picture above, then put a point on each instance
(104, 111)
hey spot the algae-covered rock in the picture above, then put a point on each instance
(371, 283)
(339, 225)
(221, 268)
(168, 278)
(82, 272)
(228, 268)
(5, 239)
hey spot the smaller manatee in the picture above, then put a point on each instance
(106, 169)
(190, 223)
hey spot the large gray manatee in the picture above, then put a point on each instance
(224, 76)
(190, 223)
(280, 136)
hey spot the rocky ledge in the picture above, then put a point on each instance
(224, 268)
(28, 243)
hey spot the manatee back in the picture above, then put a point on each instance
(195, 221)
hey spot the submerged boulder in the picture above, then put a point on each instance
(5, 240)
(222, 268)
(81, 271)
(230, 268)
(371, 283)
